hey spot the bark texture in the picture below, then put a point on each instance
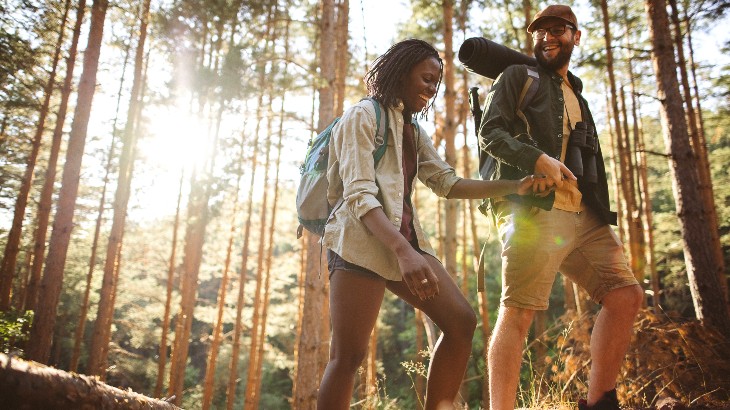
(29, 385)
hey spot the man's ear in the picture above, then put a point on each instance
(577, 37)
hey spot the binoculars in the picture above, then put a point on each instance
(580, 157)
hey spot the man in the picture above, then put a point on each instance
(565, 226)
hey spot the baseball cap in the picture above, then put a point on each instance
(558, 11)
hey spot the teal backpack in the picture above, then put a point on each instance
(313, 210)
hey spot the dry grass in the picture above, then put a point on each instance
(671, 364)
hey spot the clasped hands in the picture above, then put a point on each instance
(548, 175)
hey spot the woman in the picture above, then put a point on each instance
(374, 239)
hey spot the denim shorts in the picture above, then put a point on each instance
(335, 262)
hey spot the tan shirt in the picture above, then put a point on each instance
(568, 197)
(352, 176)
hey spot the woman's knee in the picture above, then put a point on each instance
(462, 323)
(348, 359)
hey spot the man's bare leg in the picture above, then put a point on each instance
(505, 355)
(611, 337)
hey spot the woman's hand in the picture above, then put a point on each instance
(417, 274)
(416, 271)
(525, 185)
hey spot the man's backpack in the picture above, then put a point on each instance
(487, 163)
(313, 209)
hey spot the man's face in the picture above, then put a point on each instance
(553, 51)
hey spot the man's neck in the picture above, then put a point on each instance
(563, 72)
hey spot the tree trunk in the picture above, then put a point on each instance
(198, 217)
(97, 229)
(233, 376)
(216, 337)
(539, 326)
(12, 246)
(19, 302)
(371, 365)
(703, 142)
(311, 337)
(192, 256)
(105, 312)
(272, 226)
(637, 246)
(25, 384)
(81, 325)
(238, 329)
(46, 198)
(465, 254)
(648, 215)
(626, 178)
(163, 351)
(699, 147)
(300, 316)
(615, 171)
(197, 222)
(448, 132)
(527, 8)
(39, 344)
(313, 341)
(644, 194)
(343, 51)
(464, 260)
(420, 384)
(252, 382)
(570, 302)
(706, 292)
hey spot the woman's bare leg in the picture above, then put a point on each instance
(355, 300)
(451, 312)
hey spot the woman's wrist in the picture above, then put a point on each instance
(401, 247)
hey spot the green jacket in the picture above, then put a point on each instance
(503, 135)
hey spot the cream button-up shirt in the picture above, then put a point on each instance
(352, 176)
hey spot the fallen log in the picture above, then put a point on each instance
(31, 385)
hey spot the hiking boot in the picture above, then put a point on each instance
(609, 401)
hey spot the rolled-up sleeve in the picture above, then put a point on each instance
(433, 171)
(354, 142)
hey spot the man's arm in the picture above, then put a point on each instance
(502, 136)
(502, 133)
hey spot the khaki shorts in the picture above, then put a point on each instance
(536, 244)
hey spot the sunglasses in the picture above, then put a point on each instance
(556, 31)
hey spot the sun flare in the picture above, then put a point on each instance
(173, 144)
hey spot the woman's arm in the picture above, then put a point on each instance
(412, 264)
(479, 189)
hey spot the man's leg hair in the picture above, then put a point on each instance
(610, 339)
(505, 355)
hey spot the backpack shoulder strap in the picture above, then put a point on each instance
(381, 132)
(529, 90)
(418, 129)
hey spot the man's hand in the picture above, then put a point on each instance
(553, 171)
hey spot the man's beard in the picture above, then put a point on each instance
(559, 61)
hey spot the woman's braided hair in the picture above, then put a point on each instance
(384, 81)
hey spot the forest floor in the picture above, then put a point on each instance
(672, 364)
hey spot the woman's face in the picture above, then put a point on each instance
(419, 85)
